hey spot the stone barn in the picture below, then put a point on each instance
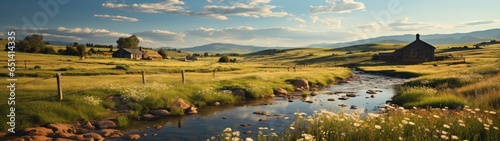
(128, 53)
(416, 51)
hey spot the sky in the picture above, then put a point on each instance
(291, 23)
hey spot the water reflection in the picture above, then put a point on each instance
(212, 120)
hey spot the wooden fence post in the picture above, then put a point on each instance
(213, 75)
(59, 88)
(183, 77)
(143, 77)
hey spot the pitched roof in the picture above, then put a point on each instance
(385, 54)
(419, 43)
(132, 51)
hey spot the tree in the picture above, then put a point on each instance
(224, 59)
(128, 42)
(33, 44)
(162, 53)
(206, 54)
(49, 50)
(81, 50)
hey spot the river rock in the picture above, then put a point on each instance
(239, 93)
(371, 92)
(179, 103)
(191, 110)
(354, 107)
(342, 105)
(37, 131)
(309, 101)
(372, 96)
(33, 138)
(343, 98)
(111, 133)
(61, 128)
(351, 95)
(216, 103)
(331, 99)
(94, 136)
(63, 135)
(245, 125)
(260, 113)
(160, 112)
(303, 84)
(314, 93)
(280, 91)
(132, 137)
(105, 124)
(148, 116)
(61, 139)
(248, 132)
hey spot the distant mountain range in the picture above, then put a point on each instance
(227, 48)
(455, 38)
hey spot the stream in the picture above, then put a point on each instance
(212, 120)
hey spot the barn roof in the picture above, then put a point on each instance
(419, 43)
(132, 51)
(385, 54)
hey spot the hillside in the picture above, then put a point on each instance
(455, 38)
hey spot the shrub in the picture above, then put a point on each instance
(224, 59)
(37, 67)
(122, 67)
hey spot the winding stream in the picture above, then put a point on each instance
(212, 120)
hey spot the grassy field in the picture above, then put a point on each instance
(451, 84)
(87, 83)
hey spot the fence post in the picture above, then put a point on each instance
(25, 65)
(143, 78)
(183, 77)
(59, 88)
(213, 74)
(288, 68)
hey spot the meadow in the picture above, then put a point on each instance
(440, 88)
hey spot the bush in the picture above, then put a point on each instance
(224, 59)
(65, 69)
(37, 67)
(122, 67)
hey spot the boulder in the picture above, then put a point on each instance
(280, 91)
(79, 137)
(354, 107)
(304, 84)
(343, 98)
(37, 131)
(61, 128)
(331, 99)
(191, 110)
(179, 103)
(94, 136)
(37, 138)
(132, 137)
(216, 103)
(160, 112)
(105, 124)
(239, 93)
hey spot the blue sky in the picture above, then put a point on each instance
(185, 23)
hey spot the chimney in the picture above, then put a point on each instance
(418, 36)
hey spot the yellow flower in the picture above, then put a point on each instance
(446, 126)
(378, 127)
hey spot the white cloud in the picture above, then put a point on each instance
(335, 23)
(268, 36)
(404, 25)
(477, 23)
(117, 18)
(338, 6)
(252, 8)
(297, 19)
(168, 6)
(161, 35)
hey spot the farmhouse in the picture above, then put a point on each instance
(417, 51)
(128, 53)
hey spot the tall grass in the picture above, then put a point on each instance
(393, 124)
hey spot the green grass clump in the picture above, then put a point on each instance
(122, 67)
(123, 121)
